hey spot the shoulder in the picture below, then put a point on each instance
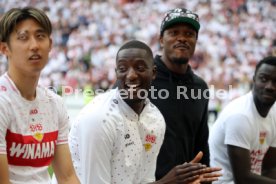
(240, 109)
(48, 94)
(3, 80)
(7, 85)
(52, 100)
(273, 112)
(199, 81)
(241, 105)
(273, 109)
(100, 112)
(154, 115)
(6, 89)
(154, 109)
(100, 103)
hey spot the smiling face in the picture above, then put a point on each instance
(264, 88)
(135, 71)
(28, 48)
(178, 43)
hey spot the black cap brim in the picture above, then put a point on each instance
(178, 20)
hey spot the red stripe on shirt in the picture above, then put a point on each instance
(31, 150)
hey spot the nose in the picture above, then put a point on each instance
(270, 85)
(182, 37)
(34, 44)
(131, 75)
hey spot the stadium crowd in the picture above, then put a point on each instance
(234, 35)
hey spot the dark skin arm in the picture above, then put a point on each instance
(241, 167)
(185, 173)
(269, 164)
(190, 173)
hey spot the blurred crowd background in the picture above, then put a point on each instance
(234, 36)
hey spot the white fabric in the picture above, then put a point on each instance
(110, 143)
(29, 132)
(239, 124)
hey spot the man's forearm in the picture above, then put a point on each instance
(256, 179)
(270, 173)
(71, 180)
(156, 182)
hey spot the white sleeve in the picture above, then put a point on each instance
(74, 146)
(54, 179)
(150, 176)
(273, 123)
(73, 143)
(4, 123)
(63, 129)
(273, 143)
(96, 136)
(238, 131)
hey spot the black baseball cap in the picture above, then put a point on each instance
(180, 15)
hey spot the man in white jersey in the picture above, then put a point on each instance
(33, 120)
(243, 139)
(116, 137)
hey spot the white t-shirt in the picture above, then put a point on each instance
(240, 124)
(29, 132)
(110, 143)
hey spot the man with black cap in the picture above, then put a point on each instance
(186, 108)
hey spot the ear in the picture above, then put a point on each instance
(1, 48)
(254, 78)
(51, 44)
(4, 48)
(161, 41)
(116, 72)
(154, 72)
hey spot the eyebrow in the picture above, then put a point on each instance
(121, 60)
(26, 31)
(263, 74)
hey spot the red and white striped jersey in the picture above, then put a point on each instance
(30, 131)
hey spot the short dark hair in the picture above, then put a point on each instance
(15, 15)
(137, 45)
(271, 60)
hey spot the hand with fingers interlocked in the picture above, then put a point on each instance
(208, 175)
(191, 173)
